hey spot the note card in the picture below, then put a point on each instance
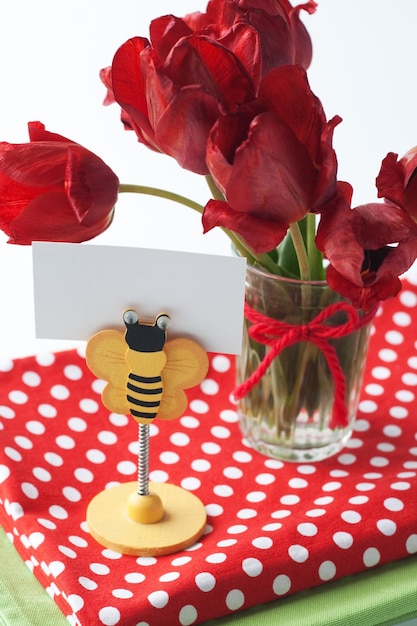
(80, 289)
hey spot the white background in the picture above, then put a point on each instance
(50, 55)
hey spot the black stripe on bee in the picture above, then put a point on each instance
(149, 416)
(144, 379)
(143, 403)
(144, 389)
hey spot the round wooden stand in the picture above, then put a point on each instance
(171, 519)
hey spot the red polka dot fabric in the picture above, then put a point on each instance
(273, 528)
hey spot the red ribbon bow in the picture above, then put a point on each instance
(280, 335)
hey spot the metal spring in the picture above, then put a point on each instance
(143, 460)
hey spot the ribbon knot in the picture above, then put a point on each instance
(279, 335)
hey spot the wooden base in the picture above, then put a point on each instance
(112, 519)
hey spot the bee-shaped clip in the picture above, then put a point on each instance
(145, 373)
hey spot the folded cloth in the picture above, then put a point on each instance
(273, 528)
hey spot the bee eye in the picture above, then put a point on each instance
(163, 321)
(130, 316)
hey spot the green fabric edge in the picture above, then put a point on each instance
(380, 597)
(383, 596)
(23, 600)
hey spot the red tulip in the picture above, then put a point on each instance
(53, 189)
(282, 35)
(273, 163)
(397, 180)
(172, 92)
(368, 247)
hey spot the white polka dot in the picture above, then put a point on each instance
(126, 468)
(242, 457)
(262, 543)
(229, 416)
(58, 512)
(409, 379)
(205, 581)
(290, 499)
(35, 427)
(31, 379)
(332, 486)
(135, 578)
(408, 298)
(237, 529)
(109, 615)
(59, 392)
(53, 459)
(13, 454)
(399, 412)
(78, 541)
(316, 512)
(217, 557)
(298, 553)
(393, 504)
(281, 585)
(77, 424)
(220, 432)
(232, 472)
(83, 475)
(23, 442)
(361, 425)
(404, 396)
(223, 491)
(343, 540)
(214, 510)
(351, 517)
(401, 318)
(199, 406)
(246, 514)
(324, 500)
(392, 430)
(169, 458)
(116, 419)
(280, 514)
(394, 337)
(400, 486)
(6, 365)
(307, 529)
(47, 410)
(191, 483)
(209, 387)
(220, 363)
(7, 412)
(159, 476)
(71, 494)
(368, 406)
(87, 583)
(189, 422)
(181, 560)
(42, 474)
(107, 437)
(327, 570)
(359, 500)
(65, 442)
(272, 527)
(30, 491)
(14, 509)
(387, 527)
(45, 359)
(73, 372)
(169, 577)
(18, 397)
(380, 372)
(374, 389)
(379, 461)
(235, 599)
(56, 568)
(411, 544)
(347, 459)
(255, 496)
(95, 456)
(371, 557)
(209, 447)
(100, 569)
(46, 523)
(122, 594)
(188, 615)
(265, 479)
(298, 483)
(71, 554)
(179, 439)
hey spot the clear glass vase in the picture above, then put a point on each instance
(288, 413)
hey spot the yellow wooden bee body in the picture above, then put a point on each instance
(147, 382)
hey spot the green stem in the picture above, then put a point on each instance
(161, 193)
(314, 255)
(301, 251)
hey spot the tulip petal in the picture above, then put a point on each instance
(260, 234)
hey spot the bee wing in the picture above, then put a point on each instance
(187, 365)
(105, 357)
